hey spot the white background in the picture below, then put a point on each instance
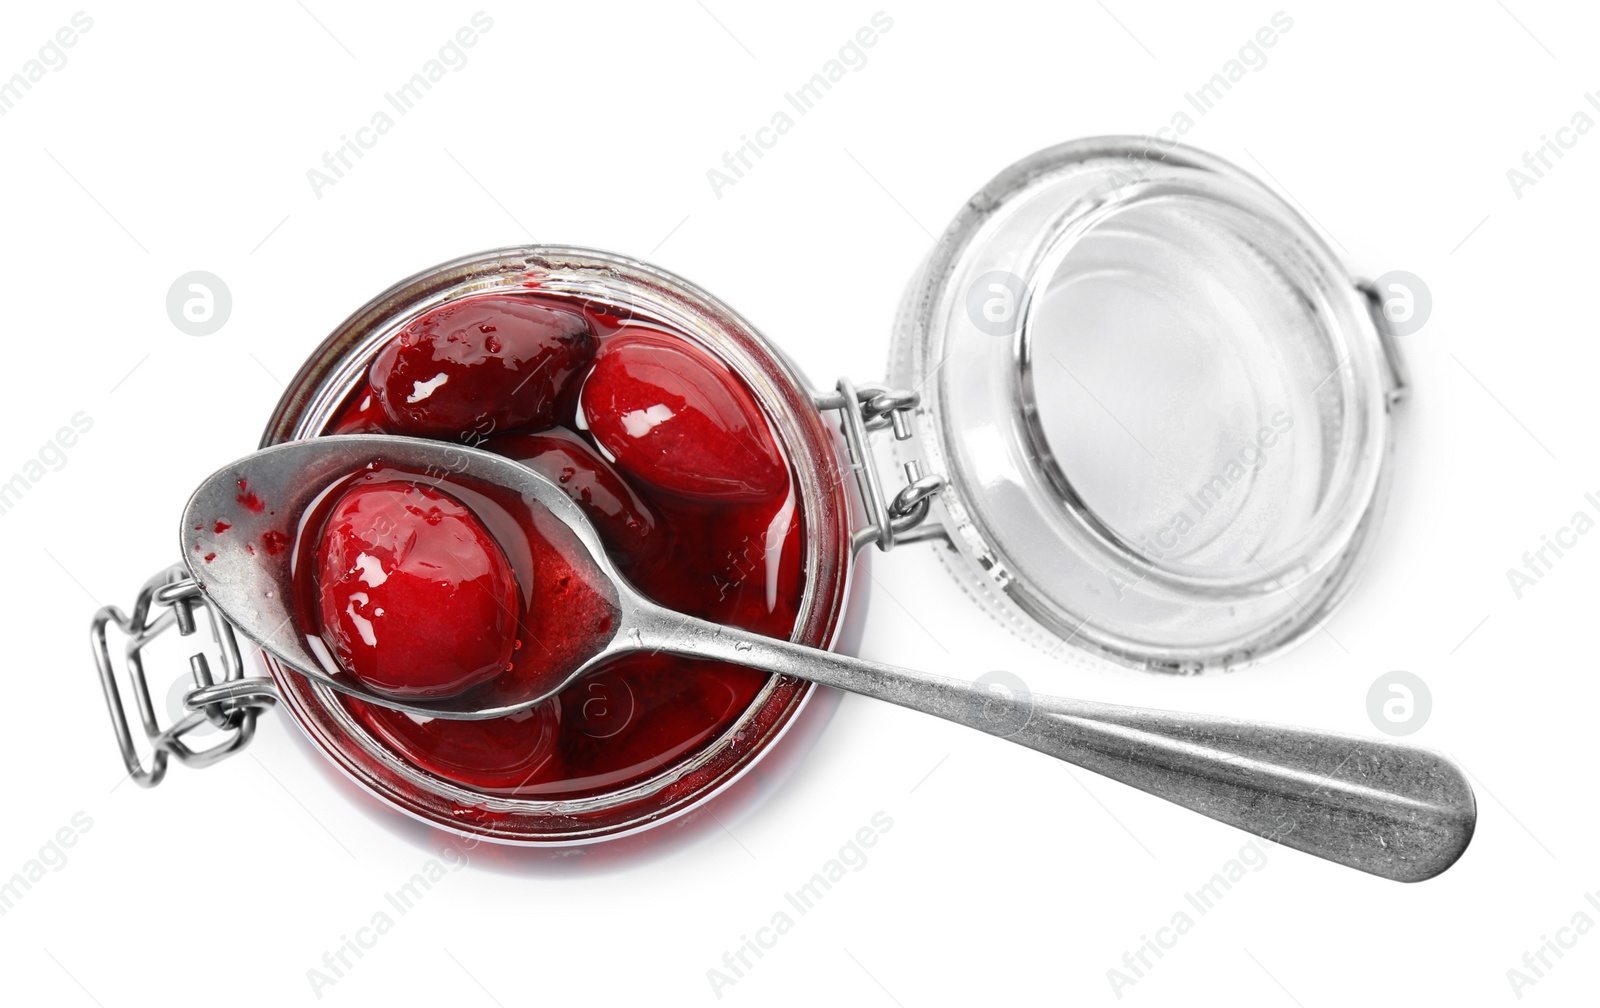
(179, 139)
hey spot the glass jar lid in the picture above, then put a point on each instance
(1160, 401)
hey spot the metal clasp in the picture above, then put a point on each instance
(231, 703)
(1394, 361)
(901, 519)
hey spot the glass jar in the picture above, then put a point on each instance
(634, 291)
(1141, 409)
(1162, 403)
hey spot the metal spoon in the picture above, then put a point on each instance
(1381, 806)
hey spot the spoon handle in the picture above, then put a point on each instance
(1384, 807)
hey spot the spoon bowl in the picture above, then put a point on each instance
(269, 496)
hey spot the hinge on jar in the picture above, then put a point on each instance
(1399, 376)
(230, 704)
(903, 518)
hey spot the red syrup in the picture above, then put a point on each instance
(733, 558)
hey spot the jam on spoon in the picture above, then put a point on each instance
(416, 598)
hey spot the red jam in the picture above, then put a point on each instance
(451, 546)
(401, 569)
(627, 525)
(681, 474)
(480, 364)
(680, 422)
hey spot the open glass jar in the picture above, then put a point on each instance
(1161, 402)
(1139, 403)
